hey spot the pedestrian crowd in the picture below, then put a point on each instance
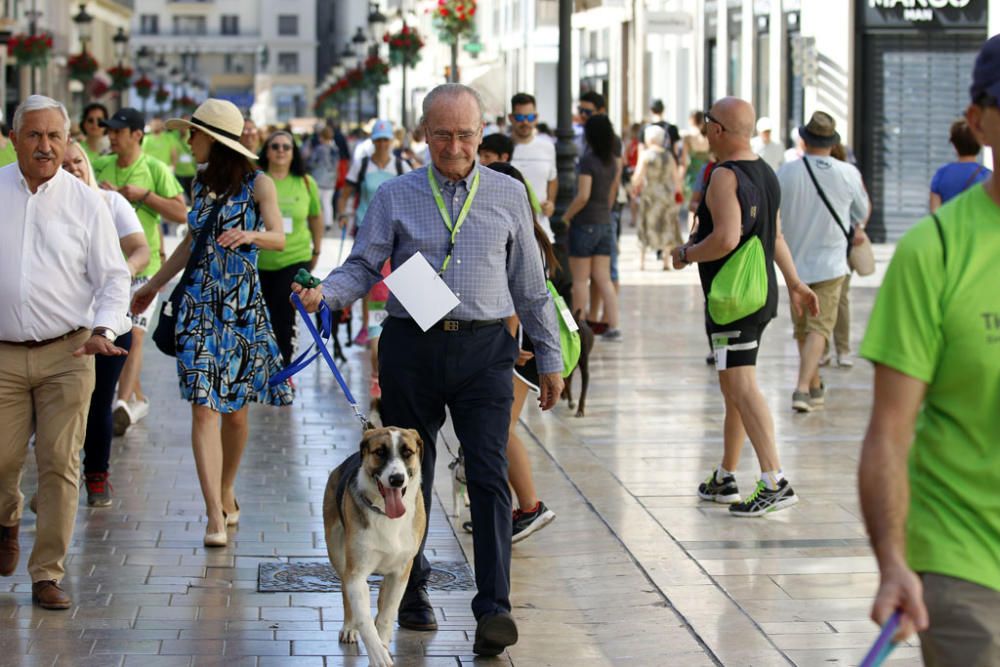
(85, 279)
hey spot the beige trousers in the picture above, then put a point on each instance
(842, 332)
(964, 623)
(46, 390)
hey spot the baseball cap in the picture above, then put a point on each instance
(986, 72)
(764, 124)
(382, 129)
(128, 117)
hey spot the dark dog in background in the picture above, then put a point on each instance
(340, 317)
(586, 345)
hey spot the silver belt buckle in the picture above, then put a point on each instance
(450, 325)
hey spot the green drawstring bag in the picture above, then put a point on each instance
(569, 332)
(740, 287)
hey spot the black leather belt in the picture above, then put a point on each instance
(464, 325)
(40, 343)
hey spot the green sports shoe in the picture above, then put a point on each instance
(763, 500)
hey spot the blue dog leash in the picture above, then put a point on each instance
(320, 343)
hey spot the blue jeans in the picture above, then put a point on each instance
(616, 219)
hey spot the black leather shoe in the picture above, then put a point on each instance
(416, 612)
(494, 633)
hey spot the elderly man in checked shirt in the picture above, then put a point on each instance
(465, 361)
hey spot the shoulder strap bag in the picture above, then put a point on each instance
(165, 334)
(860, 258)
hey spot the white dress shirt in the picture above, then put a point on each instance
(61, 267)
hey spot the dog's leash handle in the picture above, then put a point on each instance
(306, 279)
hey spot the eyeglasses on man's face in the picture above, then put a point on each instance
(525, 117)
(445, 137)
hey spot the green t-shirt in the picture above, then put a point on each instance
(7, 154)
(159, 146)
(942, 326)
(150, 174)
(186, 165)
(92, 155)
(297, 202)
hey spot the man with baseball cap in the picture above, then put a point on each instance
(765, 146)
(813, 189)
(930, 464)
(151, 187)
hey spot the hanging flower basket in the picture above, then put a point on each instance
(98, 86)
(186, 104)
(143, 87)
(376, 72)
(30, 49)
(82, 67)
(404, 46)
(162, 96)
(121, 78)
(454, 19)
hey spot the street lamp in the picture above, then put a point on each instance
(84, 27)
(120, 41)
(376, 22)
(565, 148)
(360, 46)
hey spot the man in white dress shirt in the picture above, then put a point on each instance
(64, 297)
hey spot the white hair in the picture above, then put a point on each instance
(39, 103)
(654, 135)
(450, 90)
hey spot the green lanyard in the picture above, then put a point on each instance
(446, 217)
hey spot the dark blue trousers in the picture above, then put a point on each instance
(97, 442)
(470, 373)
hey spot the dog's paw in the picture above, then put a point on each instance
(349, 635)
(378, 656)
(579, 413)
(384, 634)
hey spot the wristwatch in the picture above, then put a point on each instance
(104, 331)
(683, 252)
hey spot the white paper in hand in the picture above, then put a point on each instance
(421, 291)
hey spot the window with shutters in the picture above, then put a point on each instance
(230, 24)
(149, 24)
(288, 63)
(288, 25)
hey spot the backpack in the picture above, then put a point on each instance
(364, 169)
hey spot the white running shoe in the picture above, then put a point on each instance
(121, 417)
(139, 410)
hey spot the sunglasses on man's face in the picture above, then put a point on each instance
(584, 111)
(525, 117)
(710, 119)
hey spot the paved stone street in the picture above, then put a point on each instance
(635, 570)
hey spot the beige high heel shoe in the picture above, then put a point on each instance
(234, 518)
(219, 539)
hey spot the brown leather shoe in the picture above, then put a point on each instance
(48, 595)
(10, 550)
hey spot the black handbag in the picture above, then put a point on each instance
(165, 334)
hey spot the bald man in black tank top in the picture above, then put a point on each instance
(742, 202)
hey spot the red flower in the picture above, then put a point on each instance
(444, 12)
(385, 38)
(472, 12)
(406, 29)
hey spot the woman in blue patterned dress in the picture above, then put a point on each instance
(226, 351)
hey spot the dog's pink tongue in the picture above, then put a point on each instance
(393, 502)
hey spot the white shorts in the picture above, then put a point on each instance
(141, 320)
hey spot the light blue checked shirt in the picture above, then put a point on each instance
(495, 270)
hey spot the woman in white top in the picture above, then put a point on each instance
(97, 444)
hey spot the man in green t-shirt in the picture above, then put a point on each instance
(154, 192)
(7, 155)
(161, 144)
(930, 466)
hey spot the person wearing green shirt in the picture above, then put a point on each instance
(153, 192)
(7, 154)
(161, 144)
(930, 463)
(95, 141)
(298, 199)
(186, 168)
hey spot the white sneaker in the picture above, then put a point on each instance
(139, 409)
(845, 362)
(121, 417)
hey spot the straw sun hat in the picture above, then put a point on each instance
(219, 119)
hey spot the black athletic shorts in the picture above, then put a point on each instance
(735, 346)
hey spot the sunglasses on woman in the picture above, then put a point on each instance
(280, 147)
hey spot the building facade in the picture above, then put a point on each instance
(259, 54)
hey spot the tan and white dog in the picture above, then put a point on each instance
(374, 518)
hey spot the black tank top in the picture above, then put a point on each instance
(759, 194)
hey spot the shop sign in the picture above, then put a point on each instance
(924, 14)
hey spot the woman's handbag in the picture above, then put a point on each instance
(860, 257)
(165, 334)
